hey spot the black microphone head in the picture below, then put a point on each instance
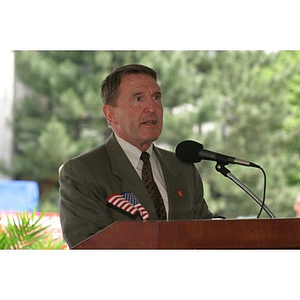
(188, 151)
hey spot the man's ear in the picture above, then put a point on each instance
(108, 112)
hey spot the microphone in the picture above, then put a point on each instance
(192, 152)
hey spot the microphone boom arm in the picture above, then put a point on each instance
(224, 171)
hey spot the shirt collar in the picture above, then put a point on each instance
(132, 152)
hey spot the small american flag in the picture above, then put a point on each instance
(128, 202)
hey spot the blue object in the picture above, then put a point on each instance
(19, 195)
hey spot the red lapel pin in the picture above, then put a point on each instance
(179, 193)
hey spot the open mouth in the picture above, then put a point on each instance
(150, 122)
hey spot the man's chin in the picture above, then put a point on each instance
(150, 137)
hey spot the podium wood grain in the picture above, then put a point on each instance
(198, 234)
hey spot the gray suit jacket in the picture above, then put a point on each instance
(87, 180)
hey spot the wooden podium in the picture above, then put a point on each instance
(198, 234)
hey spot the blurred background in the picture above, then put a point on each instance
(241, 103)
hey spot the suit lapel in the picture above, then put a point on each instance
(130, 180)
(173, 184)
(123, 169)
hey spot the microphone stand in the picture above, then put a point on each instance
(224, 171)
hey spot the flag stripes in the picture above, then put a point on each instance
(129, 203)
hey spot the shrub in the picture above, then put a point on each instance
(25, 231)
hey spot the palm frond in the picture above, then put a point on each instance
(25, 231)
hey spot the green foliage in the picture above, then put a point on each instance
(244, 103)
(292, 122)
(26, 232)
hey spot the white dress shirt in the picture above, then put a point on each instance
(134, 155)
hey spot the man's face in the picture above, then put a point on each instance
(138, 115)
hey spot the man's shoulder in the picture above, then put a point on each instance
(170, 159)
(86, 160)
(164, 153)
(97, 153)
(97, 156)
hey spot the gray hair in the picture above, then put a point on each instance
(109, 87)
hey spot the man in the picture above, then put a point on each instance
(133, 108)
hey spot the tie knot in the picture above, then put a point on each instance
(145, 156)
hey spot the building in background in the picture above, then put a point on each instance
(7, 83)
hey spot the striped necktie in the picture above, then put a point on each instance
(152, 188)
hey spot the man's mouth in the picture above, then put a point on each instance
(150, 122)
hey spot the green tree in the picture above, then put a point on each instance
(60, 117)
(292, 121)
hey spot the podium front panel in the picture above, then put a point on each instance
(198, 234)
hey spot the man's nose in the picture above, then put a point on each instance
(150, 105)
